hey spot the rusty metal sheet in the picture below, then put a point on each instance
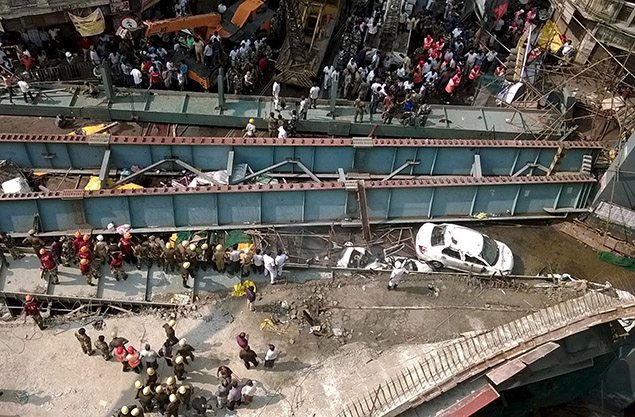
(471, 403)
(539, 352)
(505, 371)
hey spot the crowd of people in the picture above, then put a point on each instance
(172, 396)
(91, 254)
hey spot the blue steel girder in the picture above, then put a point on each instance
(296, 204)
(321, 156)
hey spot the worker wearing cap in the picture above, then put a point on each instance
(138, 385)
(86, 271)
(101, 251)
(146, 399)
(49, 267)
(184, 394)
(35, 242)
(192, 253)
(124, 411)
(170, 385)
(78, 241)
(151, 378)
(180, 249)
(119, 353)
(169, 332)
(116, 267)
(162, 397)
(396, 275)
(134, 359)
(8, 242)
(84, 253)
(172, 410)
(205, 256)
(250, 129)
(127, 248)
(179, 368)
(186, 273)
(84, 341)
(166, 352)
(185, 350)
(169, 258)
(32, 308)
(219, 258)
(102, 347)
(136, 412)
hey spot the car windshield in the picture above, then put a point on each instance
(490, 250)
(438, 236)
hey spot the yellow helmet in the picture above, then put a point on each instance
(182, 389)
(124, 410)
(138, 384)
(150, 371)
(170, 380)
(159, 389)
(134, 412)
(204, 246)
(179, 360)
(173, 398)
(171, 323)
(219, 247)
(146, 391)
(192, 247)
(186, 265)
(252, 121)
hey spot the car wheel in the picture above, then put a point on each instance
(436, 265)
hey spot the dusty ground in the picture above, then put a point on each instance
(316, 374)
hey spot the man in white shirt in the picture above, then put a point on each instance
(396, 275)
(314, 93)
(209, 53)
(248, 391)
(275, 90)
(282, 133)
(303, 108)
(257, 262)
(271, 356)
(137, 77)
(326, 82)
(150, 357)
(281, 259)
(26, 90)
(270, 267)
(94, 56)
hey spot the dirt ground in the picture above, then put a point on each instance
(317, 373)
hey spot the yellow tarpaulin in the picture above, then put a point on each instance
(91, 25)
(129, 186)
(550, 37)
(89, 130)
(94, 184)
(240, 289)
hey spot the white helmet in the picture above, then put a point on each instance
(134, 412)
(159, 388)
(138, 384)
(185, 243)
(179, 360)
(397, 264)
(173, 398)
(171, 323)
(146, 391)
(192, 247)
(182, 342)
(170, 380)
(219, 247)
(204, 246)
(182, 389)
(68, 54)
(100, 238)
(124, 410)
(186, 265)
(168, 245)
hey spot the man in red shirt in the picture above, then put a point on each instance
(127, 248)
(86, 271)
(49, 266)
(116, 267)
(32, 308)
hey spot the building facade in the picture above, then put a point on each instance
(594, 25)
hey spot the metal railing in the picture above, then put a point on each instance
(459, 360)
(64, 72)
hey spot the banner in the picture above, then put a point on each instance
(91, 25)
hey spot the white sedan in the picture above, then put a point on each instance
(457, 247)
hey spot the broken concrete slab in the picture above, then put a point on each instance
(23, 275)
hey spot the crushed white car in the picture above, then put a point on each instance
(463, 249)
(373, 260)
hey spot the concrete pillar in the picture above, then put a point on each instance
(585, 48)
(221, 90)
(333, 97)
(106, 79)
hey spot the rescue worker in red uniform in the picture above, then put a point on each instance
(134, 360)
(49, 267)
(32, 308)
(116, 267)
(78, 241)
(119, 353)
(127, 248)
(86, 271)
